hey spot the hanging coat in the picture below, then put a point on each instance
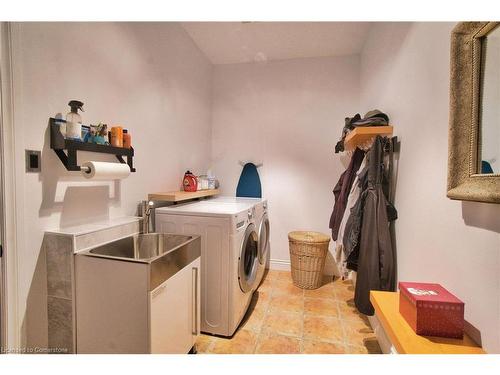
(341, 255)
(352, 231)
(341, 191)
(376, 262)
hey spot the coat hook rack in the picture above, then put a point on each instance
(366, 145)
(362, 137)
(69, 158)
(242, 163)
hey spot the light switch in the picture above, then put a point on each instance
(33, 161)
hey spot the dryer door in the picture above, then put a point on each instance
(263, 239)
(248, 261)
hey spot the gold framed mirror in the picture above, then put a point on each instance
(474, 129)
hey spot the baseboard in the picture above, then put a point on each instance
(284, 265)
(280, 265)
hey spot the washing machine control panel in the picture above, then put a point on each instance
(243, 218)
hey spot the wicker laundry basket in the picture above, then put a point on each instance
(307, 254)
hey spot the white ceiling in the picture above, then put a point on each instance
(240, 42)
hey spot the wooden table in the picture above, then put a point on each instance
(405, 340)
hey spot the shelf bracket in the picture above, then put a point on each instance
(129, 162)
(69, 161)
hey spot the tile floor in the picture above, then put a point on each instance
(284, 319)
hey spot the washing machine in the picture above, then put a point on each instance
(261, 223)
(229, 257)
(263, 232)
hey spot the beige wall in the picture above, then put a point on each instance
(288, 115)
(150, 78)
(405, 71)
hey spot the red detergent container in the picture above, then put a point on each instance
(189, 182)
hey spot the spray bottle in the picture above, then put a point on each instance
(74, 121)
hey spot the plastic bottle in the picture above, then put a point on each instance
(127, 139)
(202, 182)
(211, 179)
(117, 136)
(189, 182)
(74, 121)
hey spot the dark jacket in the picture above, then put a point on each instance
(376, 262)
(342, 189)
(352, 229)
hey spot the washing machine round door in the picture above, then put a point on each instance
(263, 239)
(248, 261)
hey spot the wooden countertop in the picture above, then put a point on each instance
(405, 340)
(179, 196)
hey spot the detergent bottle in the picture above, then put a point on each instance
(189, 182)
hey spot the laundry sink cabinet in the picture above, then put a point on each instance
(128, 302)
(174, 312)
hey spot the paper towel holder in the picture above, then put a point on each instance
(70, 159)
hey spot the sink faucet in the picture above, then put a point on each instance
(146, 209)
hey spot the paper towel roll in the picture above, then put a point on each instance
(99, 170)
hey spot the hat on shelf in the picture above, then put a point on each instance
(374, 117)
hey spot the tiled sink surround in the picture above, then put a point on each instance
(60, 246)
(284, 319)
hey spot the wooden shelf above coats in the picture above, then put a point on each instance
(179, 196)
(365, 134)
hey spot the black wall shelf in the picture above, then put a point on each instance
(69, 159)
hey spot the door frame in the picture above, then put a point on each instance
(9, 327)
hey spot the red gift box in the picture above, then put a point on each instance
(431, 310)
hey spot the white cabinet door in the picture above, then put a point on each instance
(174, 312)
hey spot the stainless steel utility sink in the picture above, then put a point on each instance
(125, 302)
(141, 247)
(162, 254)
